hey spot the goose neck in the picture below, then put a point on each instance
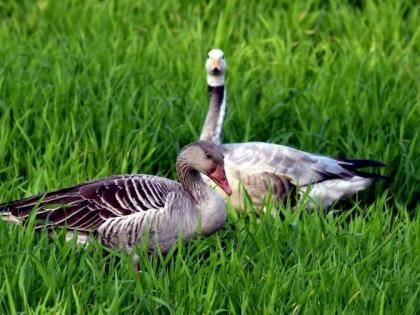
(191, 181)
(215, 80)
(213, 125)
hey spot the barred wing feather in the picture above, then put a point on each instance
(86, 206)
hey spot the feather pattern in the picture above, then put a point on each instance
(86, 205)
(287, 169)
(120, 209)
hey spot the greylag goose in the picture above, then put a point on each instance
(261, 167)
(119, 209)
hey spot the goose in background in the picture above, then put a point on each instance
(260, 167)
(120, 209)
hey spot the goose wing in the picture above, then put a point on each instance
(86, 206)
(299, 167)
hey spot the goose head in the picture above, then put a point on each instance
(206, 158)
(216, 67)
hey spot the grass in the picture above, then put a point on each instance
(89, 89)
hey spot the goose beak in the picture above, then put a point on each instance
(219, 177)
(215, 64)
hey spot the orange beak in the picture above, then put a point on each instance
(219, 177)
(215, 63)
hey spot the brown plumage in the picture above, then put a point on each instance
(120, 209)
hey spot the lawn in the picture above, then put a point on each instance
(95, 88)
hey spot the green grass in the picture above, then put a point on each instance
(94, 88)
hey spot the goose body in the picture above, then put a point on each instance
(260, 167)
(121, 209)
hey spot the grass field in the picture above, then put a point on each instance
(94, 88)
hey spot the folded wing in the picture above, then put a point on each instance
(299, 167)
(86, 206)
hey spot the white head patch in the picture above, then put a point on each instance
(216, 54)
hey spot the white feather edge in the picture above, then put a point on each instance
(9, 218)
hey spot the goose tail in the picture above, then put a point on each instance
(4, 208)
(6, 215)
(355, 166)
(362, 163)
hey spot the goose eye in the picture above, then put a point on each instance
(208, 155)
(223, 57)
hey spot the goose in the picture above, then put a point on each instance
(260, 167)
(120, 209)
